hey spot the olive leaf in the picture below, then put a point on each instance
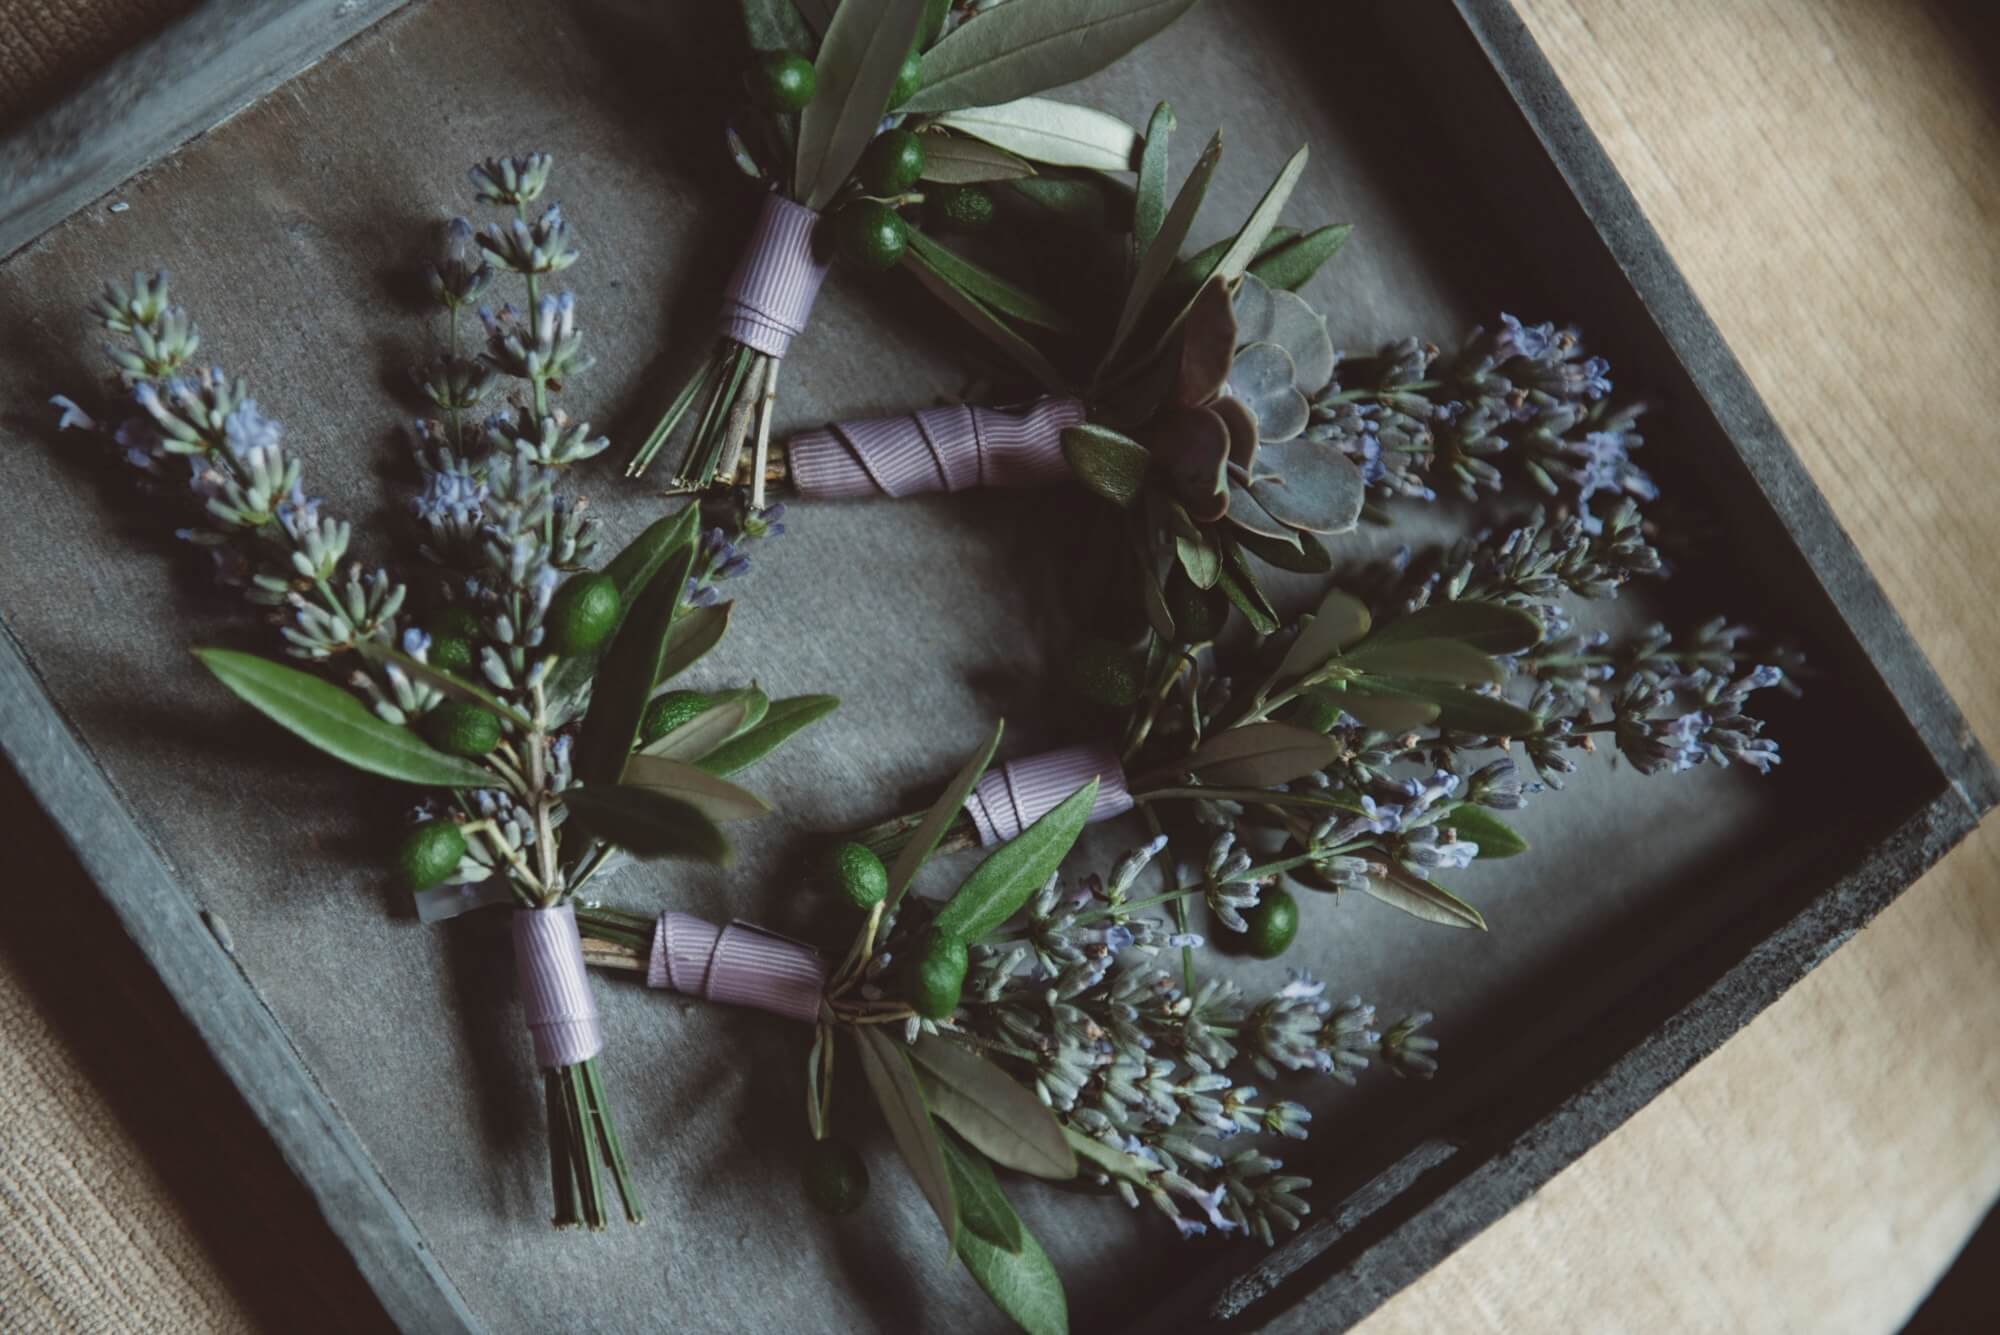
(1241, 588)
(1291, 264)
(1309, 557)
(1060, 134)
(1493, 627)
(775, 25)
(1200, 559)
(993, 1111)
(859, 59)
(985, 287)
(1400, 888)
(889, 1075)
(1340, 620)
(631, 572)
(1235, 258)
(1149, 206)
(950, 159)
(456, 687)
(1157, 259)
(1459, 710)
(1025, 46)
(1113, 1163)
(1016, 870)
(1388, 713)
(645, 823)
(693, 740)
(1259, 755)
(758, 740)
(982, 1209)
(1108, 463)
(939, 818)
(935, 13)
(1021, 1282)
(1086, 203)
(981, 318)
(625, 680)
(336, 722)
(1425, 660)
(1194, 270)
(696, 630)
(717, 799)
(1495, 837)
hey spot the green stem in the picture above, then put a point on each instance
(561, 1177)
(614, 1153)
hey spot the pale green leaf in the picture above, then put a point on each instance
(1447, 661)
(1060, 134)
(996, 1114)
(1022, 1284)
(982, 1209)
(1259, 755)
(336, 722)
(701, 734)
(1025, 46)
(1340, 620)
(717, 799)
(939, 818)
(1149, 206)
(1399, 888)
(1493, 627)
(1292, 264)
(1013, 872)
(696, 631)
(1495, 837)
(1159, 257)
(856, 69)
(894, 1083)
(784, 718)
(955, 160)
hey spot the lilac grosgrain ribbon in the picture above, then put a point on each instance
(771, 293)
(738, 965)
(1009, 799)
(938, 449)
(555, 991)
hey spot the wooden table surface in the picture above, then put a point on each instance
(1827, 172)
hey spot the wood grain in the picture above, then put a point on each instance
(1827, 172)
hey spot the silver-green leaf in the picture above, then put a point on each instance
(1340, 620)
(717, 799)
(1393, 885)
(1060, 134)
(894, 1083)
(995, 1113)
(952, 159)
(337, 723)
(783, 719)
(856, 69)
(1025, 46)
(1261, 754)
(939, 818)
(1017, 869)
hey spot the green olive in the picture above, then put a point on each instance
(460, 729)
(861, 875)
(1106, 673)
(429, 853)
(1273, 923)
(871, 234)
(969, 208)
(783, 80)
(892, 163)
(835, 1178)
(939, 977)
(582, 615)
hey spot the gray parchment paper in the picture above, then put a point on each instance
(293, 232)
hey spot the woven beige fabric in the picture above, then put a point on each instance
(47, 45)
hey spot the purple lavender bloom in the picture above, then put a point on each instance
(246, 431)
(72, 415)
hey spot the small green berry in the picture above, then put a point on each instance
(862, 877)
(429, 853)
(969, 208)
(460, 622)
(783, 80)
(583, 614)
(892, 163)
(1198, 613)
(666, 712)
(450, 653)
(872, 234)
(1106, 673)
(939, 977)
(908, 79)
(460, 729)
(835, 1178)
(1273, 923)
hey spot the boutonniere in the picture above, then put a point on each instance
(521, 689)
(1021, 1025)
(862, 114)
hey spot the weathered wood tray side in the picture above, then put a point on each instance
(1778, 890)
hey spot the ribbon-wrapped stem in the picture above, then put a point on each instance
(1012, 796)
(765, 306)
(561, 1018)
(951, 448)
(736, 964)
